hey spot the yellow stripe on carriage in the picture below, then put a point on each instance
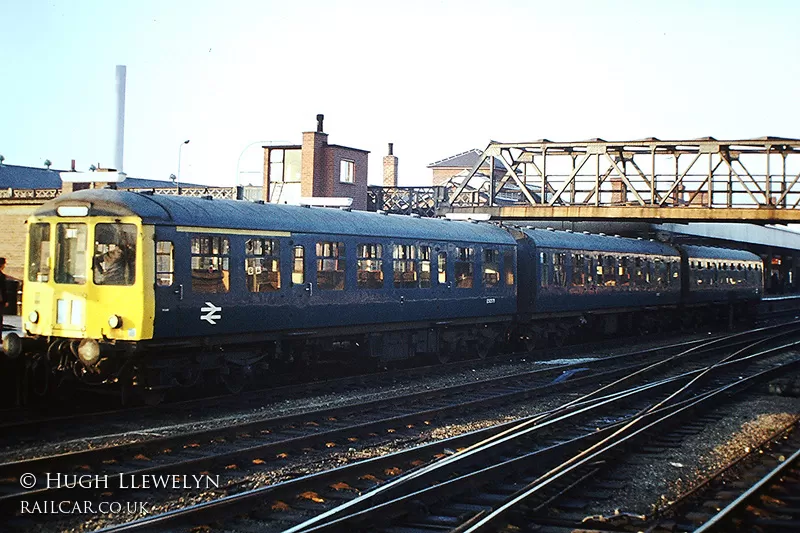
(222, 231)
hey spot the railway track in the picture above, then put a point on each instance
(365, 473)
(509, 492)
(754, 492)
(23, 425)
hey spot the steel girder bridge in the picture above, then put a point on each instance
(749, 180)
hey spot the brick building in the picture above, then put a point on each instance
(447, 168)
(315, 169)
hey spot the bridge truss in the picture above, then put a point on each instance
(754, 180)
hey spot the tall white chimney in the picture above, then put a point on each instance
(120, 129)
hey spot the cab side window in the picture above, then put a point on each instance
(39, 253)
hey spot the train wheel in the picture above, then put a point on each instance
(39, 370)
(152, 397)
(233, 377)
(483, 348)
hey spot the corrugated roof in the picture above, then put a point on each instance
(465, 160)
(232, 214)
(20, 177)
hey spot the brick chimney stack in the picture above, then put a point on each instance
(390, 168)
(312, 166)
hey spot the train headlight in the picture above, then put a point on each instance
(89, 352)
(115, 321)
(33, 317)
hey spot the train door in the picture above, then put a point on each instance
(302, 285)
(168, 289)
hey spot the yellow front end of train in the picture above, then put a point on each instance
(88, 294)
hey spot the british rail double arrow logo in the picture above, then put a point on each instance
(212, 313)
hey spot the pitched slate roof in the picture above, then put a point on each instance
(15, 177)
(465, 160)
(19, 177)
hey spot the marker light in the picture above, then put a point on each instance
(115, 321)
(33, 317)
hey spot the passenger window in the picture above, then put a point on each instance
(405, 266)
(544, 274)
(559, 269)
(210, 264)
(491, 268)
(262, 265)
(599, 270)
(298, 265)
(624, 272)
(442, 267)
(508, 265)
(661, 271)
(165, 264)
(370, 266)
(39, 253)
(609, 276)
(425, 267)
(330, 266)
(578, 270)
(71, 254)
(463, 267)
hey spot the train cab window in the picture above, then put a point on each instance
(298, 265)
(442, 267)
(39, 253)
(465, 256)
(262, 265)
(71, 245)
(370, 266)
(330, 266)
(425, 267)
(165, 263)
(578, 270)
(508, 265)
(491, 268)
(210, 264)
(404, 265)
(114, 260)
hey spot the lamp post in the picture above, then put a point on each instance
(178, 180)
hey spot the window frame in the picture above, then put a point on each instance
(347, 171)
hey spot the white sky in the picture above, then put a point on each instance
(435, 78)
